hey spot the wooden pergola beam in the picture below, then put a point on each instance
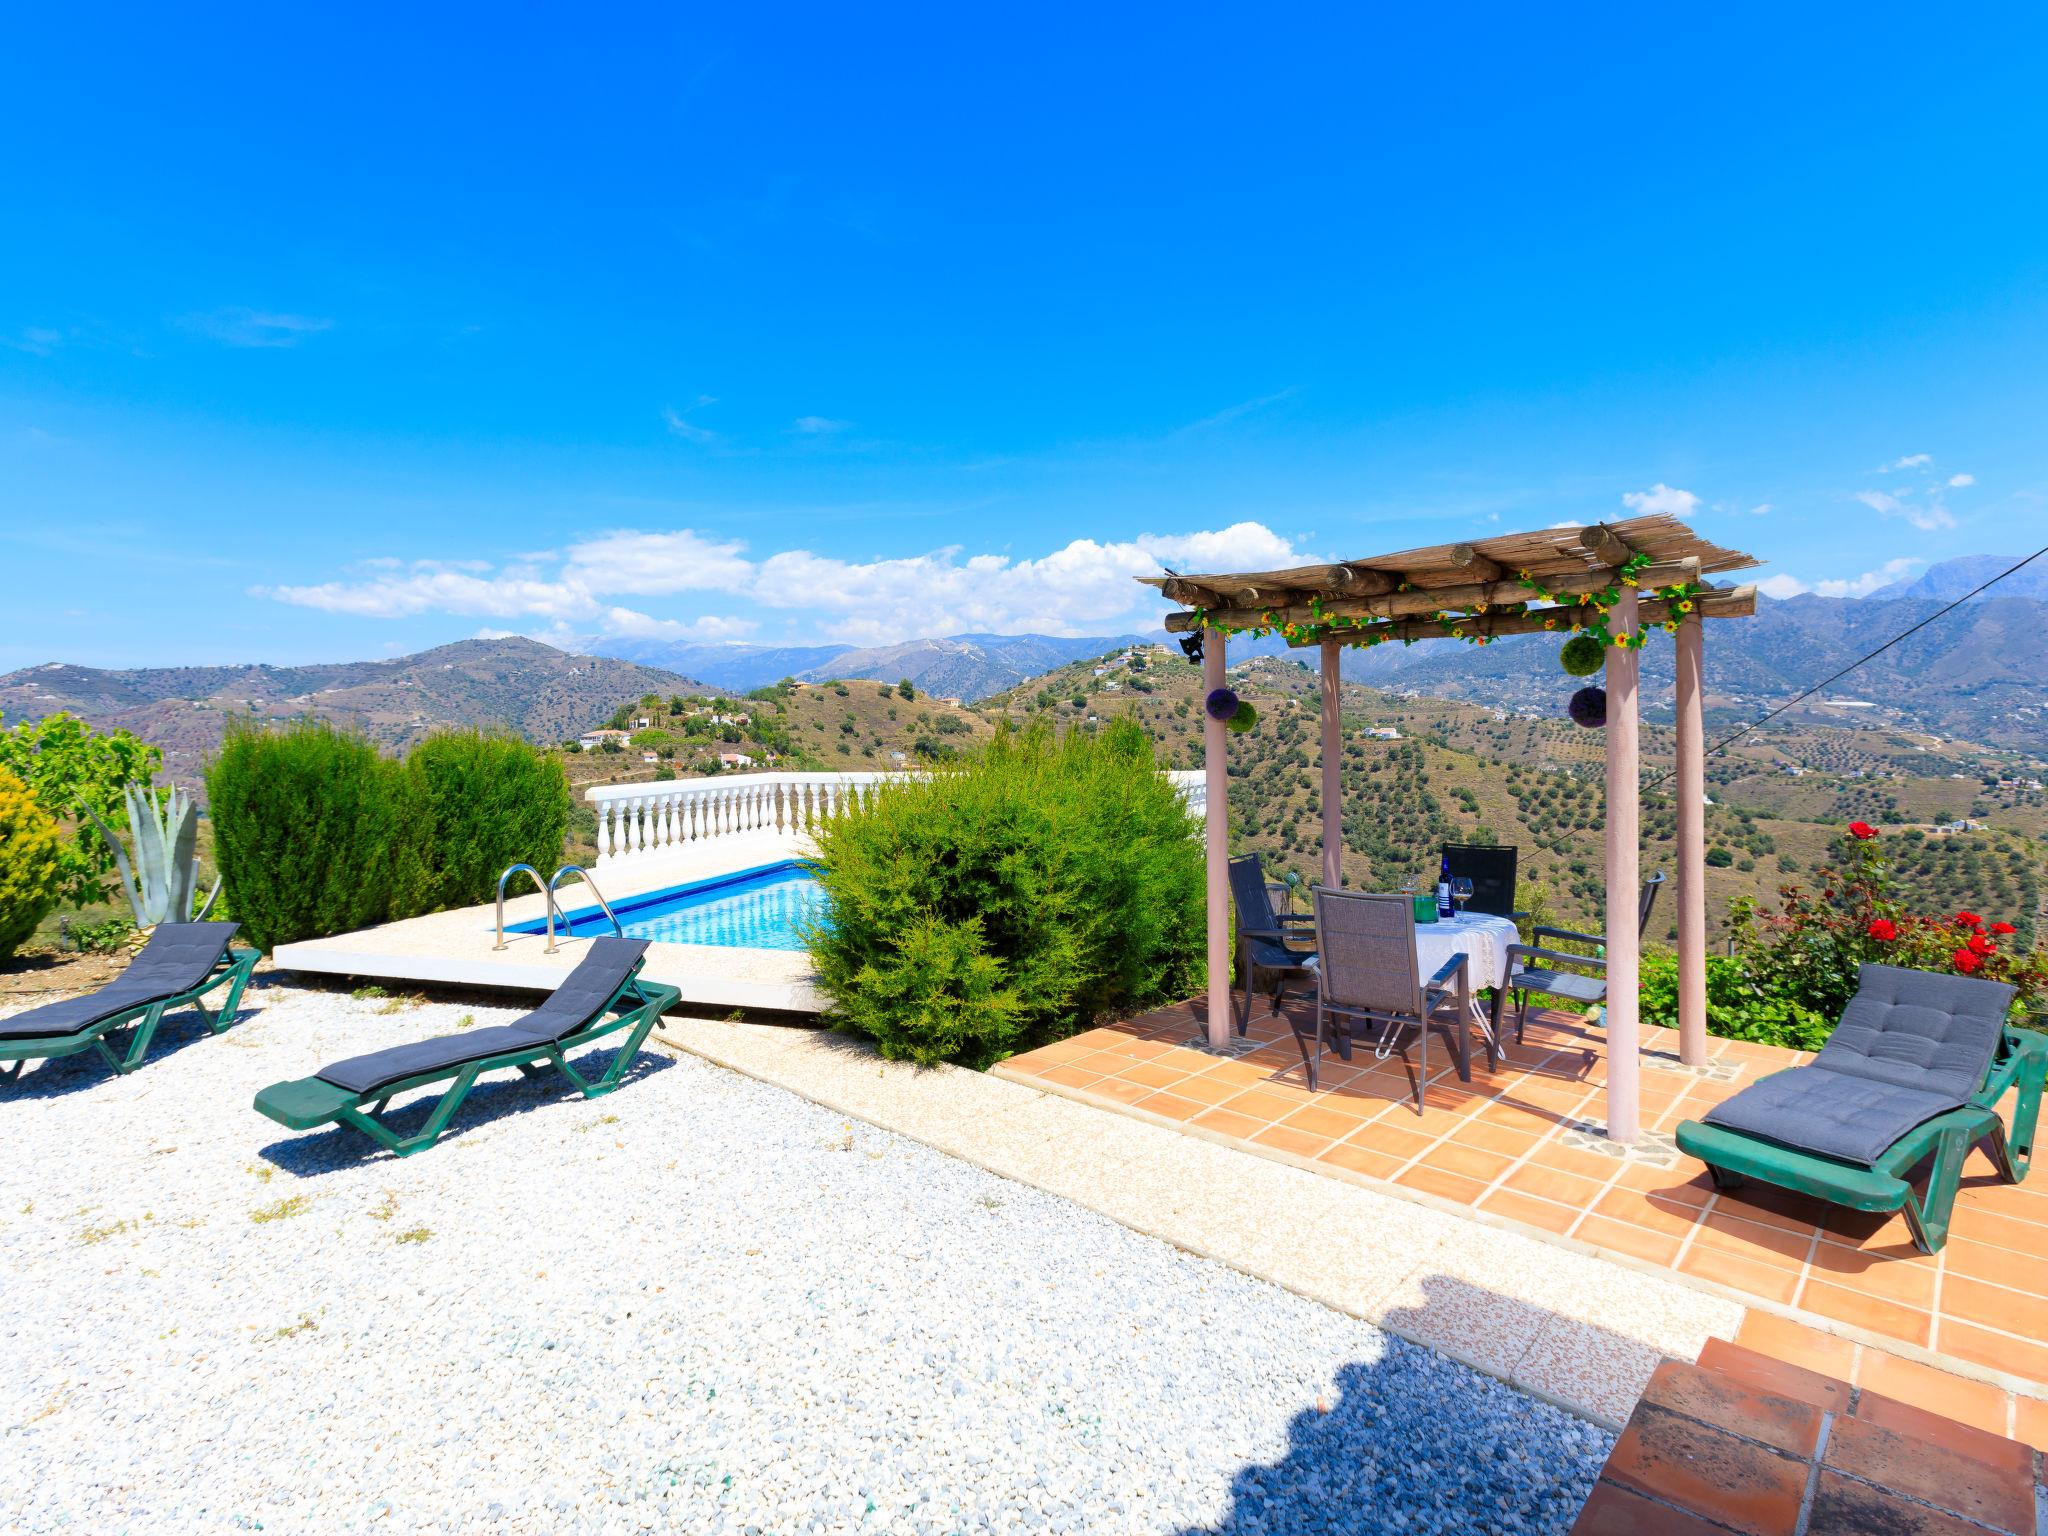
(1460, 599)
(1715, 603)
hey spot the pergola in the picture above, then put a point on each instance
(1618, 581)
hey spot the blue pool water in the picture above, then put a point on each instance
(749, 909)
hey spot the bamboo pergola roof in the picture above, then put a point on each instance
(1418, 594)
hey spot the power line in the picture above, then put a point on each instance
(1726, 743)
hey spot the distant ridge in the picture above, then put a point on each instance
(517, 684)
(1949, 580)
(965, 667)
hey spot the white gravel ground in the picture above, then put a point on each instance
(699, 1304)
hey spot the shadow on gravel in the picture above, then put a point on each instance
(1415, 1442)
(63, 1075)
(493, 1098)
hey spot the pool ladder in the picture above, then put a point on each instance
(547, 889)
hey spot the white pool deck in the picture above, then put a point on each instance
(456, 948)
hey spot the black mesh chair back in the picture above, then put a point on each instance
(1491, 869)
(1249, 891)
(1367, 945)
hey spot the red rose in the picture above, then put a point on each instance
(1968, 920)
(1966, 960)
(2003, 928)
(1862, 831)
(1981, 945)
(1884, 928)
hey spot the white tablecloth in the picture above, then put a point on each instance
(1485, 939)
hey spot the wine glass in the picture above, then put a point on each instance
(1461, 891)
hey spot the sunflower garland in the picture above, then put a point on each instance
(1364, 633)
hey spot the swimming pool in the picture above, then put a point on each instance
(749, 909)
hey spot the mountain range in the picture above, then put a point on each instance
(542, 693)
(1976, 674)
(964, 667)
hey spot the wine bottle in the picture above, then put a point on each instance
(1443, 888)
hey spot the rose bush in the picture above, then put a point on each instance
(1808, 951)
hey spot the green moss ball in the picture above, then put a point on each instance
(1582, 656)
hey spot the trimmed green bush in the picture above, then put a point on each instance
(31, 863)
(474, 803)
(306, 826)
(316, 832)
(1018, 897)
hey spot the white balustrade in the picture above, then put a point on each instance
(637, 819)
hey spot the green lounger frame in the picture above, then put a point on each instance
(309, 1102)
(232, 971)
(2021, 1062)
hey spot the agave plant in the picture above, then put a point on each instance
(163, 853)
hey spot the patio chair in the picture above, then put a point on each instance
(1369, 985)
(1264, 937)
(1915, 1070)
(601, 996)
(180, 964)
(1491, 869)
(1581, 979)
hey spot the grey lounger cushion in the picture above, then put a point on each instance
(366, 1074)
(1911, 1045)
(586, 989)
(579, 999)
(1815, 1110)
(1919, 1029)
(178, 957)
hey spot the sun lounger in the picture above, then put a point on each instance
(1914, 1071)
(181, 963)
(601, 997)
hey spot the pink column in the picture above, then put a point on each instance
(1692, 846)
(1624, 874)
(1333, 762)
(1217, 830)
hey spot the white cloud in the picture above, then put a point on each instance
(1084, 587)
(1782, 586)
(1079, 589)
(1957, 482)
(240, 326)
(621, 564)
(681, 426)
(1929, 517)
(819, 426)
(1760, 509)
(1661, 498)
(1870, 581)
(1910, 461)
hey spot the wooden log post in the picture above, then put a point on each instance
(1217, 842)
(1332, 690)
(1624, 876)
(1692, 844)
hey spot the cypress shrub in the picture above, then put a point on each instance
(306, 827)
(31, 863)
(1011, 899)
(474, 802)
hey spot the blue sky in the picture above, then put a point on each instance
(329, 337)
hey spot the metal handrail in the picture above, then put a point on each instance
(578, 869)
(546, 890)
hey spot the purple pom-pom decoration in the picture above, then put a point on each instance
(1221, 704)
(1589, 707)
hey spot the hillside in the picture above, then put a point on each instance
(543, 694)
(1458, 772)
(1975, 674)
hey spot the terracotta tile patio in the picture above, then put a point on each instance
(1524, 1145)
